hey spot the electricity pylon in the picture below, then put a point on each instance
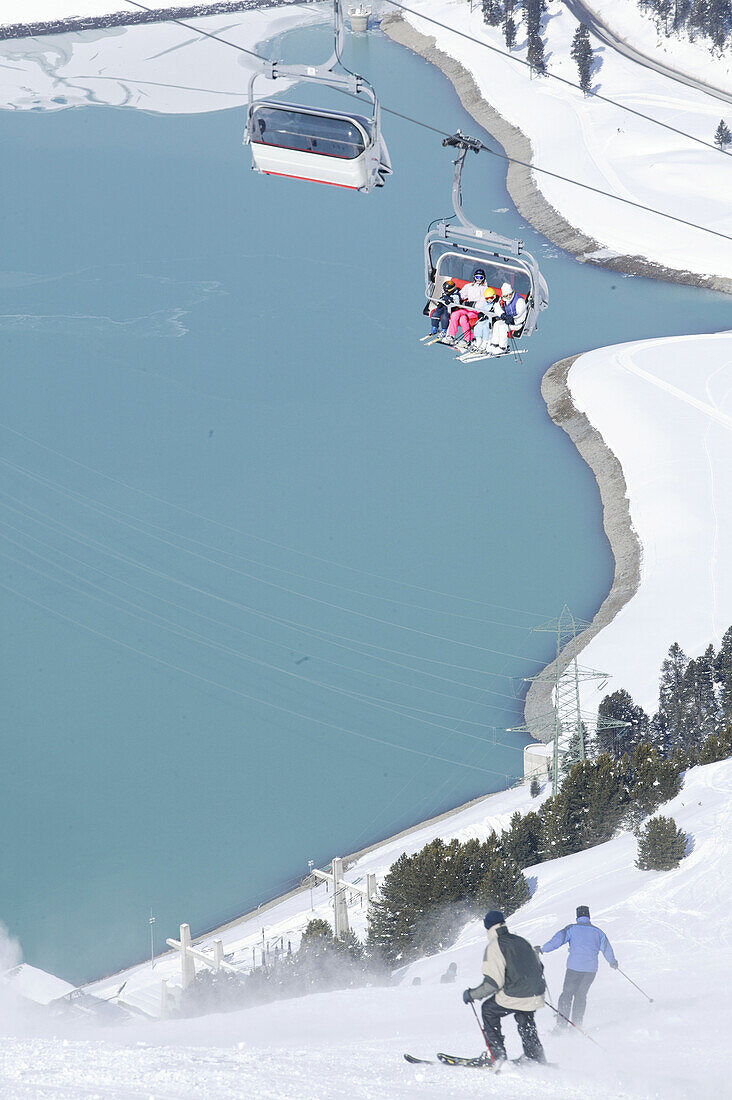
(564, 724)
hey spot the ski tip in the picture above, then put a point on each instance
(417, 1061)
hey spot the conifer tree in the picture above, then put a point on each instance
(492, 12)
(669, 720)
(535, 55)
(582, 53)
(716, 747)
(723, 676)
(535, 787)
(661, 845)
(654, 781)
(587, 810)
(503, 887)
(533, 10)
(616, 740)
(702, 709)
(521, 841)
(509, 28)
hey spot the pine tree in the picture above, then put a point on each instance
(503, 887)
(653, 781)
(702, 709)
(723, 676)
(521, 841)
(509, 31)
(582, 53)
(535, 55)
(669, 720)
(534, 787)
(587, 810)
(533, 10)
(616, 740)
(716, 747)
(492, 12)
(661, 845)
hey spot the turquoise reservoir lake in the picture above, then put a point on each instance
(270, 567)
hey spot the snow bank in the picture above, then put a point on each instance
(45, 11)
(34, 984)
(602, 146)
(669, 931)
(154, 67)
(638, 27)
(664, 407)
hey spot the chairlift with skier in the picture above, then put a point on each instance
(455, 251)
(341, 148)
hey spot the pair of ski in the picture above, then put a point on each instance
(483, 1061)
(466, 356)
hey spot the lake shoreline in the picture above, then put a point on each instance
(606, 468)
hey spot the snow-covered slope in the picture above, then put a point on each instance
(664, 407)
(156, 67)
(602, 146)
(670, 932)
(637, 26)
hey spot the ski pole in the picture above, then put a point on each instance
(482, 1031)
(636, 986)
(575, 1026)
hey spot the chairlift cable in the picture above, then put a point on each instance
(485, 148)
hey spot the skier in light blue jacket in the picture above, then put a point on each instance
(585, 944)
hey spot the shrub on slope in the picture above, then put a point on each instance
(661, 845)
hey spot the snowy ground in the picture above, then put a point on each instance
(638, 27)
(664, 407)
(670, 932)
(156, 67)
(602, 146)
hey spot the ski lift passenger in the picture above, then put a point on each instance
(509, 318)
(490, 311)
(440, 316)
(471, 296)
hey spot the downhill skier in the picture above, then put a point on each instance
(585, 944)
(513, 983)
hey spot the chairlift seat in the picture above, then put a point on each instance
(305, 143)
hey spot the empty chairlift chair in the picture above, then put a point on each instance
(342, 148)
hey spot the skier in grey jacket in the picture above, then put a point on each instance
(513, 983)
(585, 944)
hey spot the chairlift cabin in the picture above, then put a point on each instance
(342, 148)
(455, 251)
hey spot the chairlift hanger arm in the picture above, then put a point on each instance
(464, 144)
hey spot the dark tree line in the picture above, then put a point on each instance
(694, 706)
(505, 14)
(709, 19)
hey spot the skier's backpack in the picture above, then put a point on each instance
(524, 971)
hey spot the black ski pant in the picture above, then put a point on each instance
(492, 1014)
(440, 317)
(574, 995)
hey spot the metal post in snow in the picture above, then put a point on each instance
(151, 922)
(310, 872)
